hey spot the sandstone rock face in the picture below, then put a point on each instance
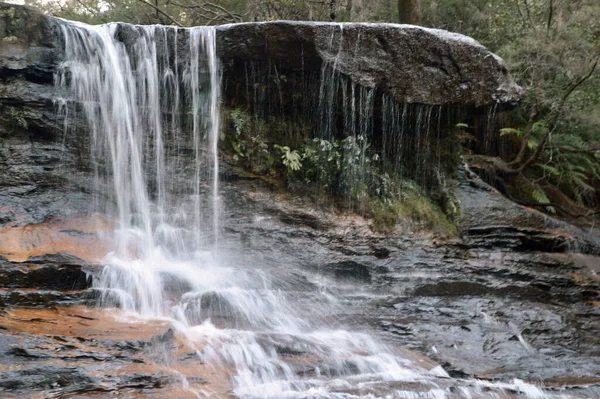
(28, 57)
(407, 63)
(412, 64)
(490, 220)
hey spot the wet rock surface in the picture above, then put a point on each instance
(413, 64)
(516, 296)
(78, 351)
(481, 308)
(490, 220)
(44, 273)
(484, 310)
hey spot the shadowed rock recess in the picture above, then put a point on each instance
(304, 301)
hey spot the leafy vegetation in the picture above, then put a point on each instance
(291, 158)
(347, 170)
(248, 143)
(551, 144)
(18, 119)
(193, 13)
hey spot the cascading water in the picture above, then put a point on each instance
(153, 117)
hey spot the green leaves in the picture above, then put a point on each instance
(509, 131)
(239, 119)
(540, 196)
(19, 118)
(291, 158)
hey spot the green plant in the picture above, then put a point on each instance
(247, 144)
(291, 158)
(19, 118)
(413, 206)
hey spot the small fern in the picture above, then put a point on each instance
(540, 196)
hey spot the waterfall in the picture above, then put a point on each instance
(149, 97)
(144, 104)
(141, 101)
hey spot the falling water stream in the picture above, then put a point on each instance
(150, 97)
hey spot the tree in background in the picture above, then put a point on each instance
(409, 12)
(551, 158)
(193, 12)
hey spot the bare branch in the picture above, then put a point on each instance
(158, 10)
(550, 15)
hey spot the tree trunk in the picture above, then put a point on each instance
(409, 12)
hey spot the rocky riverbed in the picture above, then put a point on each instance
(516, 304)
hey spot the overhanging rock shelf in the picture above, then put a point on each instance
(411, 64)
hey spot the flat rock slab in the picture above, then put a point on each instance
(413, 64)
(57, 241)
(79, 352)
(490, 220)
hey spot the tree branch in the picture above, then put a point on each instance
(590, 151)
(158, 10)
(551, 124)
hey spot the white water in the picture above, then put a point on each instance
(149, 95)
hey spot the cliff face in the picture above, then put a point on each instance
(412, 64)
(29, 55)
(405, 63)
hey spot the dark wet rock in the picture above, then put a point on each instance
(413, 64)
(215, 306)
(299, 219)
(493, 337)
(381, 252)
(293, 282)
(48, 377)
(28, 59)
(55, 380)
(63, 353)
(348, 270)
(41, 299)
(133, 346)
(463, 303)
(58, 258)
(46, 276)
(490, 220)
(144, 381)
(33, 187)
(174, 284)
(166, 337)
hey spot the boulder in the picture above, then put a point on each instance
(490, 220)
(411, 63)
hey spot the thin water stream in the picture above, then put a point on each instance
(150, 96)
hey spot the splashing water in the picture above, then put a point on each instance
(153, 117)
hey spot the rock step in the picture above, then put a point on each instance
(33, 298)
(51, 272)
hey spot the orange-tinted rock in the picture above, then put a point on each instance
(77, 237)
